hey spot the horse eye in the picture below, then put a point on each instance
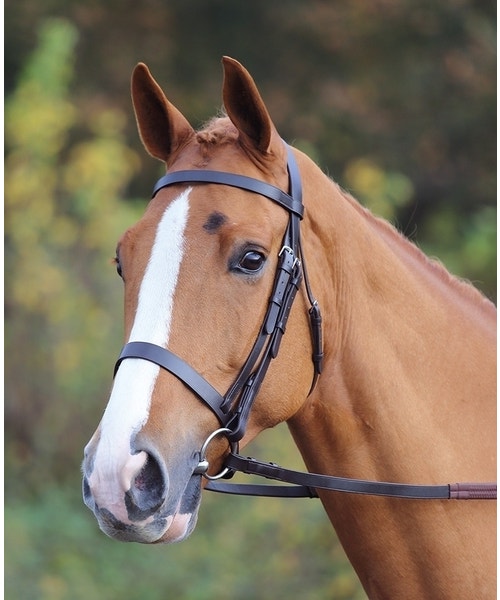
(252, 261)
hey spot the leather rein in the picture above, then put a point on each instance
(233, 409)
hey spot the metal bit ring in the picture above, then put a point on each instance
(203, 465)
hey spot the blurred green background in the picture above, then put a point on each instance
(394, 98)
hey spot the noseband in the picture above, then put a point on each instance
(233, 409)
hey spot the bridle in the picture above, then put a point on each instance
(233, 409)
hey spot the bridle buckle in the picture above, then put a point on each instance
(296, 261)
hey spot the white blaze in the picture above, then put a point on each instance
(128, 407)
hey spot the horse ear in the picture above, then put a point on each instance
(245, 107)
(161, 126)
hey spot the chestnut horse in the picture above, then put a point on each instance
(407, 390)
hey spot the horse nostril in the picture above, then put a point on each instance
(150, 477)
(147, 491)
(87, 494)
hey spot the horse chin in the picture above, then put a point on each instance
(174, 529)
(163, 527)
(179, 529)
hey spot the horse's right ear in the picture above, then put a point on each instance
(162, 127)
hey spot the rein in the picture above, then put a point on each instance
(306, 484)
(233, 409)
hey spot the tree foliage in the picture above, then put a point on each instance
(402, 87)
(394, 98)
(62, 218)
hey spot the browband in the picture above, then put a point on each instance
(293, 205)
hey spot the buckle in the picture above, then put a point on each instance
(296, 259)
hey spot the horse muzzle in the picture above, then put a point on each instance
(137, 500)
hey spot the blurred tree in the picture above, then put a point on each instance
(62, 220)
(405, 86)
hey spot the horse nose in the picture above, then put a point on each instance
(131, 493)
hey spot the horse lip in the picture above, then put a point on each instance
(130, 532)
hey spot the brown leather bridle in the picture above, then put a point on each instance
(233, 409)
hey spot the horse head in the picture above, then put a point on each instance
(198, 271)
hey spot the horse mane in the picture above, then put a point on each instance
(217, 130)
(464, 287)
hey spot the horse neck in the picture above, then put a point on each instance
(406, 344)
(407, 395)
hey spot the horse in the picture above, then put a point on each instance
(257, 291)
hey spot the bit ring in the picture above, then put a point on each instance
(203, 465)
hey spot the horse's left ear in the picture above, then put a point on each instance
(245, 107)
